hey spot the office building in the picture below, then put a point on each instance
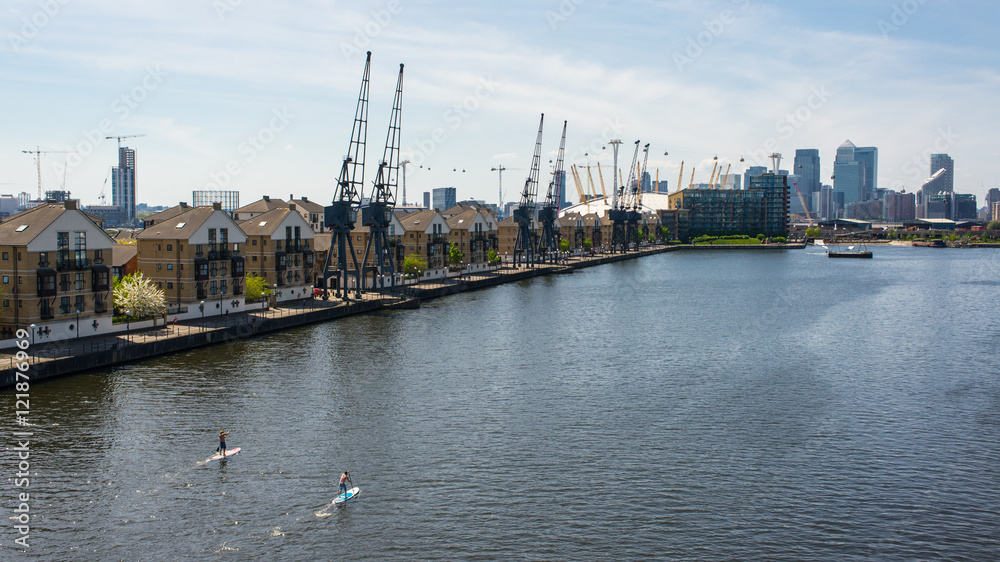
(123, 183)
(992, 198)
(807, 173)
(824, 204)
(230, 200)
(898, 207)
(443, 198)
(427, 199)
(761, 208)
(855, 173)
(944, 183)
(753, 171)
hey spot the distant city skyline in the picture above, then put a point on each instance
(257, 98)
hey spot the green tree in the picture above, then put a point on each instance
(455, 255)
(414, 266)
(257, 287)
(587, 244)
(664, 233)
(564, 245)
(492, 257)
(137, 296)
(813, 232)
(992, 229)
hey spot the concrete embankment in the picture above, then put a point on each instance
(59, 359)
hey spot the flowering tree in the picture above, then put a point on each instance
(257, 287)
(139, 297)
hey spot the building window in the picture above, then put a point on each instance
(80, 304)
(6, 256)
(180, 247)
(170, 285)
(222, 287)
(79, 281)
(64, 282)
(253, 242)
(159, 247)
(159, 266)
(253, 258)
(64, 305)
(197, 250)
(6, 279)
(213, 287)
(170, 267)
(98, 256)
(214, 269)
(170, 247)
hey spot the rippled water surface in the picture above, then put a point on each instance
(741, 405)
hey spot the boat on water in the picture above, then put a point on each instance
(930, 243)
(862, 252)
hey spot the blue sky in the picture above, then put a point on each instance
(259, 96)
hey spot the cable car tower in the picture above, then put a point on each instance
(378, 214)
(343, 213)
(548, 245)
(524, 214)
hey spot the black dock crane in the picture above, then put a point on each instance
(524, 214)
(548, 245)
(343, 213)
(634, 201)
(378, 213)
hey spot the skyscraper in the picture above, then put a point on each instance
(945, 183)
(807, 172)
(992, 198)
(855, 172)
(443, 198)
(123, 183)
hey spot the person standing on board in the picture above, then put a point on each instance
(345, 477)
(222, 442)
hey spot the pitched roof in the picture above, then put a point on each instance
(168, 213)
(463, 220)
(266, 223)
(417, 220)
(122, 253)
(307, 205)
(22, 228)
(848, 144)
(262, 206)
(180, 227)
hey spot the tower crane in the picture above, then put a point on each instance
(341, 215)
(524, 214)
(590, 184)
(38, 162)
(120, 137)
(680, 176)
(500, 170)
(635, 213)
(548, 244)
(378, 213)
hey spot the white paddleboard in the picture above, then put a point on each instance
(348, 495)
(229, 453)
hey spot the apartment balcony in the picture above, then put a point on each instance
(47, 314)
(201, 292)
(100, 308)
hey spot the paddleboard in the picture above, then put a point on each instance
(348, 495)
(229, 453)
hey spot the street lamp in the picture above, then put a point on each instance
(201, 307)
(78, 311)
(32, 328)
(128, 325)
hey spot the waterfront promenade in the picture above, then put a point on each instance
(61, 358)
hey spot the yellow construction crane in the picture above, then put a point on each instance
(691, 183)
(726, 177)
(711, 179)
(680, 177)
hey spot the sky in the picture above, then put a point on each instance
(260, 97)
